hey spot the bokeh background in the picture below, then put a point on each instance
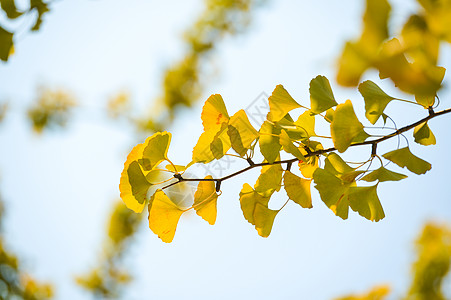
(59, 186)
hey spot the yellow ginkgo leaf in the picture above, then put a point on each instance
(298, 189)
(281, 103)
(125, 188)
(163, 216)
(248, 200)
(269, 141)
(214, 112)
(241, 132)
(205, 200)
(288, 145)
(155, 150)
(270, 180)
(264, 219)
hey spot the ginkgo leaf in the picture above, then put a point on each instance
(155, 150)
(288, 146)
(281, 103)
(175, 168)
(163, 216)
(333, 192)
(375, 100)
(308, 167)
(404, 158)
(270, 180)
(6, 44)
(125, 187)
(298, 189)
(329, 117)
(383, 174)
(321, 95)
(306, 122)
(205, 199)
(364, 200)
(248, 200)
(202, 151)
(269, 141)
(352, 64)
(345, 127)
(335, 165)
(241, 132)
(425, 100)
(138, 182)
(423, 135)
(264, 219)
(221, 142)
(214, 112)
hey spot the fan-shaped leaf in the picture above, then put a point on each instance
(375, 100)
(288, 146)
(365, 201)
(383, 174)
(346, 127)
(404, 158)
(281, 103)
(163, 216)
(264, 219)
(155, 150)
(423, 135)
(248, 200)
(214, 112)
(306, 122)
(205, 199)
(298, 189)
(270, 180)
(321, 95)
(269, 141)
(241, 132)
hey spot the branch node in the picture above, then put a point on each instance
(178, 176)
(289, 166)
(373, 149)
(431, 111)
(218, 186)
(249, 160)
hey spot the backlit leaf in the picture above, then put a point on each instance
(6, 44)
(365, 201)
(175, 168)
(345, 127)
(221, 142)
(241, 132)
(156, 149)
(352, 64)
(264, 219)
(202, 151)
(214, 112)
(404, 158)
(423, 135)
(163, 216)
(309, 166)
(205, 199)
(248, 200)
(383, 174)
(335, 165)
(298, 189)
(321, 95)
(288, 146)
(281, 103)
(269, 141)
(306, 122)
(125, 187)
(375, 100)
(270, 180)
(138, 182)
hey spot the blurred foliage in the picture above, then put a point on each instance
(108, 278)
(14, 282)
(119, 105)
(3, 111)
(183, 82)
(36, 7)
(433, 249)
(52, 108)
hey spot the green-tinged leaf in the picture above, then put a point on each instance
(269, 141)
(221, 142)
(404, 158)
(350, 177)
(423, 135)
(425, 100)
(6, 44)
(298, 189)
(138, 182)
(281, 103)
(383, 174)
(10, 9)
(352, 64)
(125, 188)
(248, 200)
(306, 122)
(375, 100)
(321, 95)
(175, 168)
(241, 132)
(345, 127)
(163, 216)
(288, 146)
(214, 113)
(264, 219)
(329, 117)
(333, 192)
(365, 201)
(155, 149)
(335, 165)
(270, 180)
(41, 7)
(205, 200)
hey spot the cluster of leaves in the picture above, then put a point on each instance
(14, 282)
(9, 8)
(52, 108)
(336, 181)
(183, 82)
(428, 272)
(108, 278)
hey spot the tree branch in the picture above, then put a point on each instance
(252, 165)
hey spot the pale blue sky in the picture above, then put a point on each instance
(59, 187)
